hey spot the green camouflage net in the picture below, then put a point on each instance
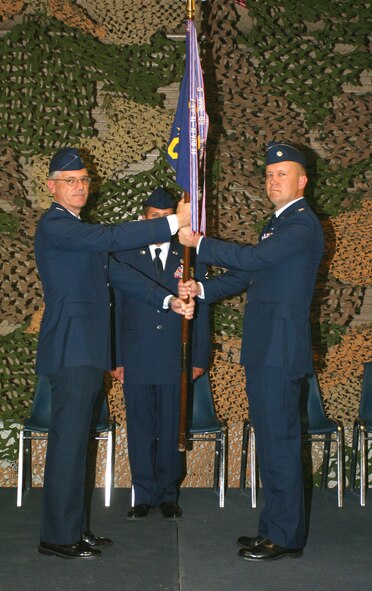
(123, 199)
(67, 64)
(126, 23)
(97, 75)
(307, 51)
(17, 386)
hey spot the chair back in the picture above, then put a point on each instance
(202, 411)
(40, 411)
(313, 417)
(39, 418)
(365, 407)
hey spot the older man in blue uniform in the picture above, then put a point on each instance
(149, 354)
(280, 274)
(74, 341)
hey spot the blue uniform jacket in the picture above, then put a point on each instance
(280, 274)
(149, 340)
(72, 262)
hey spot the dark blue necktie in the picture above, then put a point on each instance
(272, 222)
(158, 263)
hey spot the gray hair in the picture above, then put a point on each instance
(54, 174)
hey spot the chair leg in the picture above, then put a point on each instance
(20, 470)
(363, 465)
(108, 472)
(27, 460)
(243, 462)
(340, 466)
(354, 455)
(326, 454)
(222, 470)
(217, 463)
(253, 469)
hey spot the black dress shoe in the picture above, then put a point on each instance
(171, 510)
(266, 550)
(96, 541)
(139, 511)
(79, 550)
(249, 542)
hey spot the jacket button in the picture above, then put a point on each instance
(159, 327)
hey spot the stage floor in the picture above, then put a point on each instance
(197, 553)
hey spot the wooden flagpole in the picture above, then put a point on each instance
(190, 13)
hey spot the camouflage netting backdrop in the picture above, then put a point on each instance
(104, 76)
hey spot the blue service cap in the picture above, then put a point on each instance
(161, 199)
(66, 159)
(281, 152)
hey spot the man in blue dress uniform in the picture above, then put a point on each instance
(280, 274)
(148, 355)
(74, 341)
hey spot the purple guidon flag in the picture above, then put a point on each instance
(186, 151)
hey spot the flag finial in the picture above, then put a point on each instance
(190, 9)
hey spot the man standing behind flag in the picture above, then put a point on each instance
(148, 355)
(279, 273)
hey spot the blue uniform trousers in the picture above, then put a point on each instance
(74, 392)
(157, 467)
(273, 396)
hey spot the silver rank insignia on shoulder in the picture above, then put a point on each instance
(301, 209)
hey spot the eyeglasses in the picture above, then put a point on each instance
(72, 181)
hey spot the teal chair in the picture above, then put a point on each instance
(203, 425)
(316, 426)
(36, 427)
(362, 434)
